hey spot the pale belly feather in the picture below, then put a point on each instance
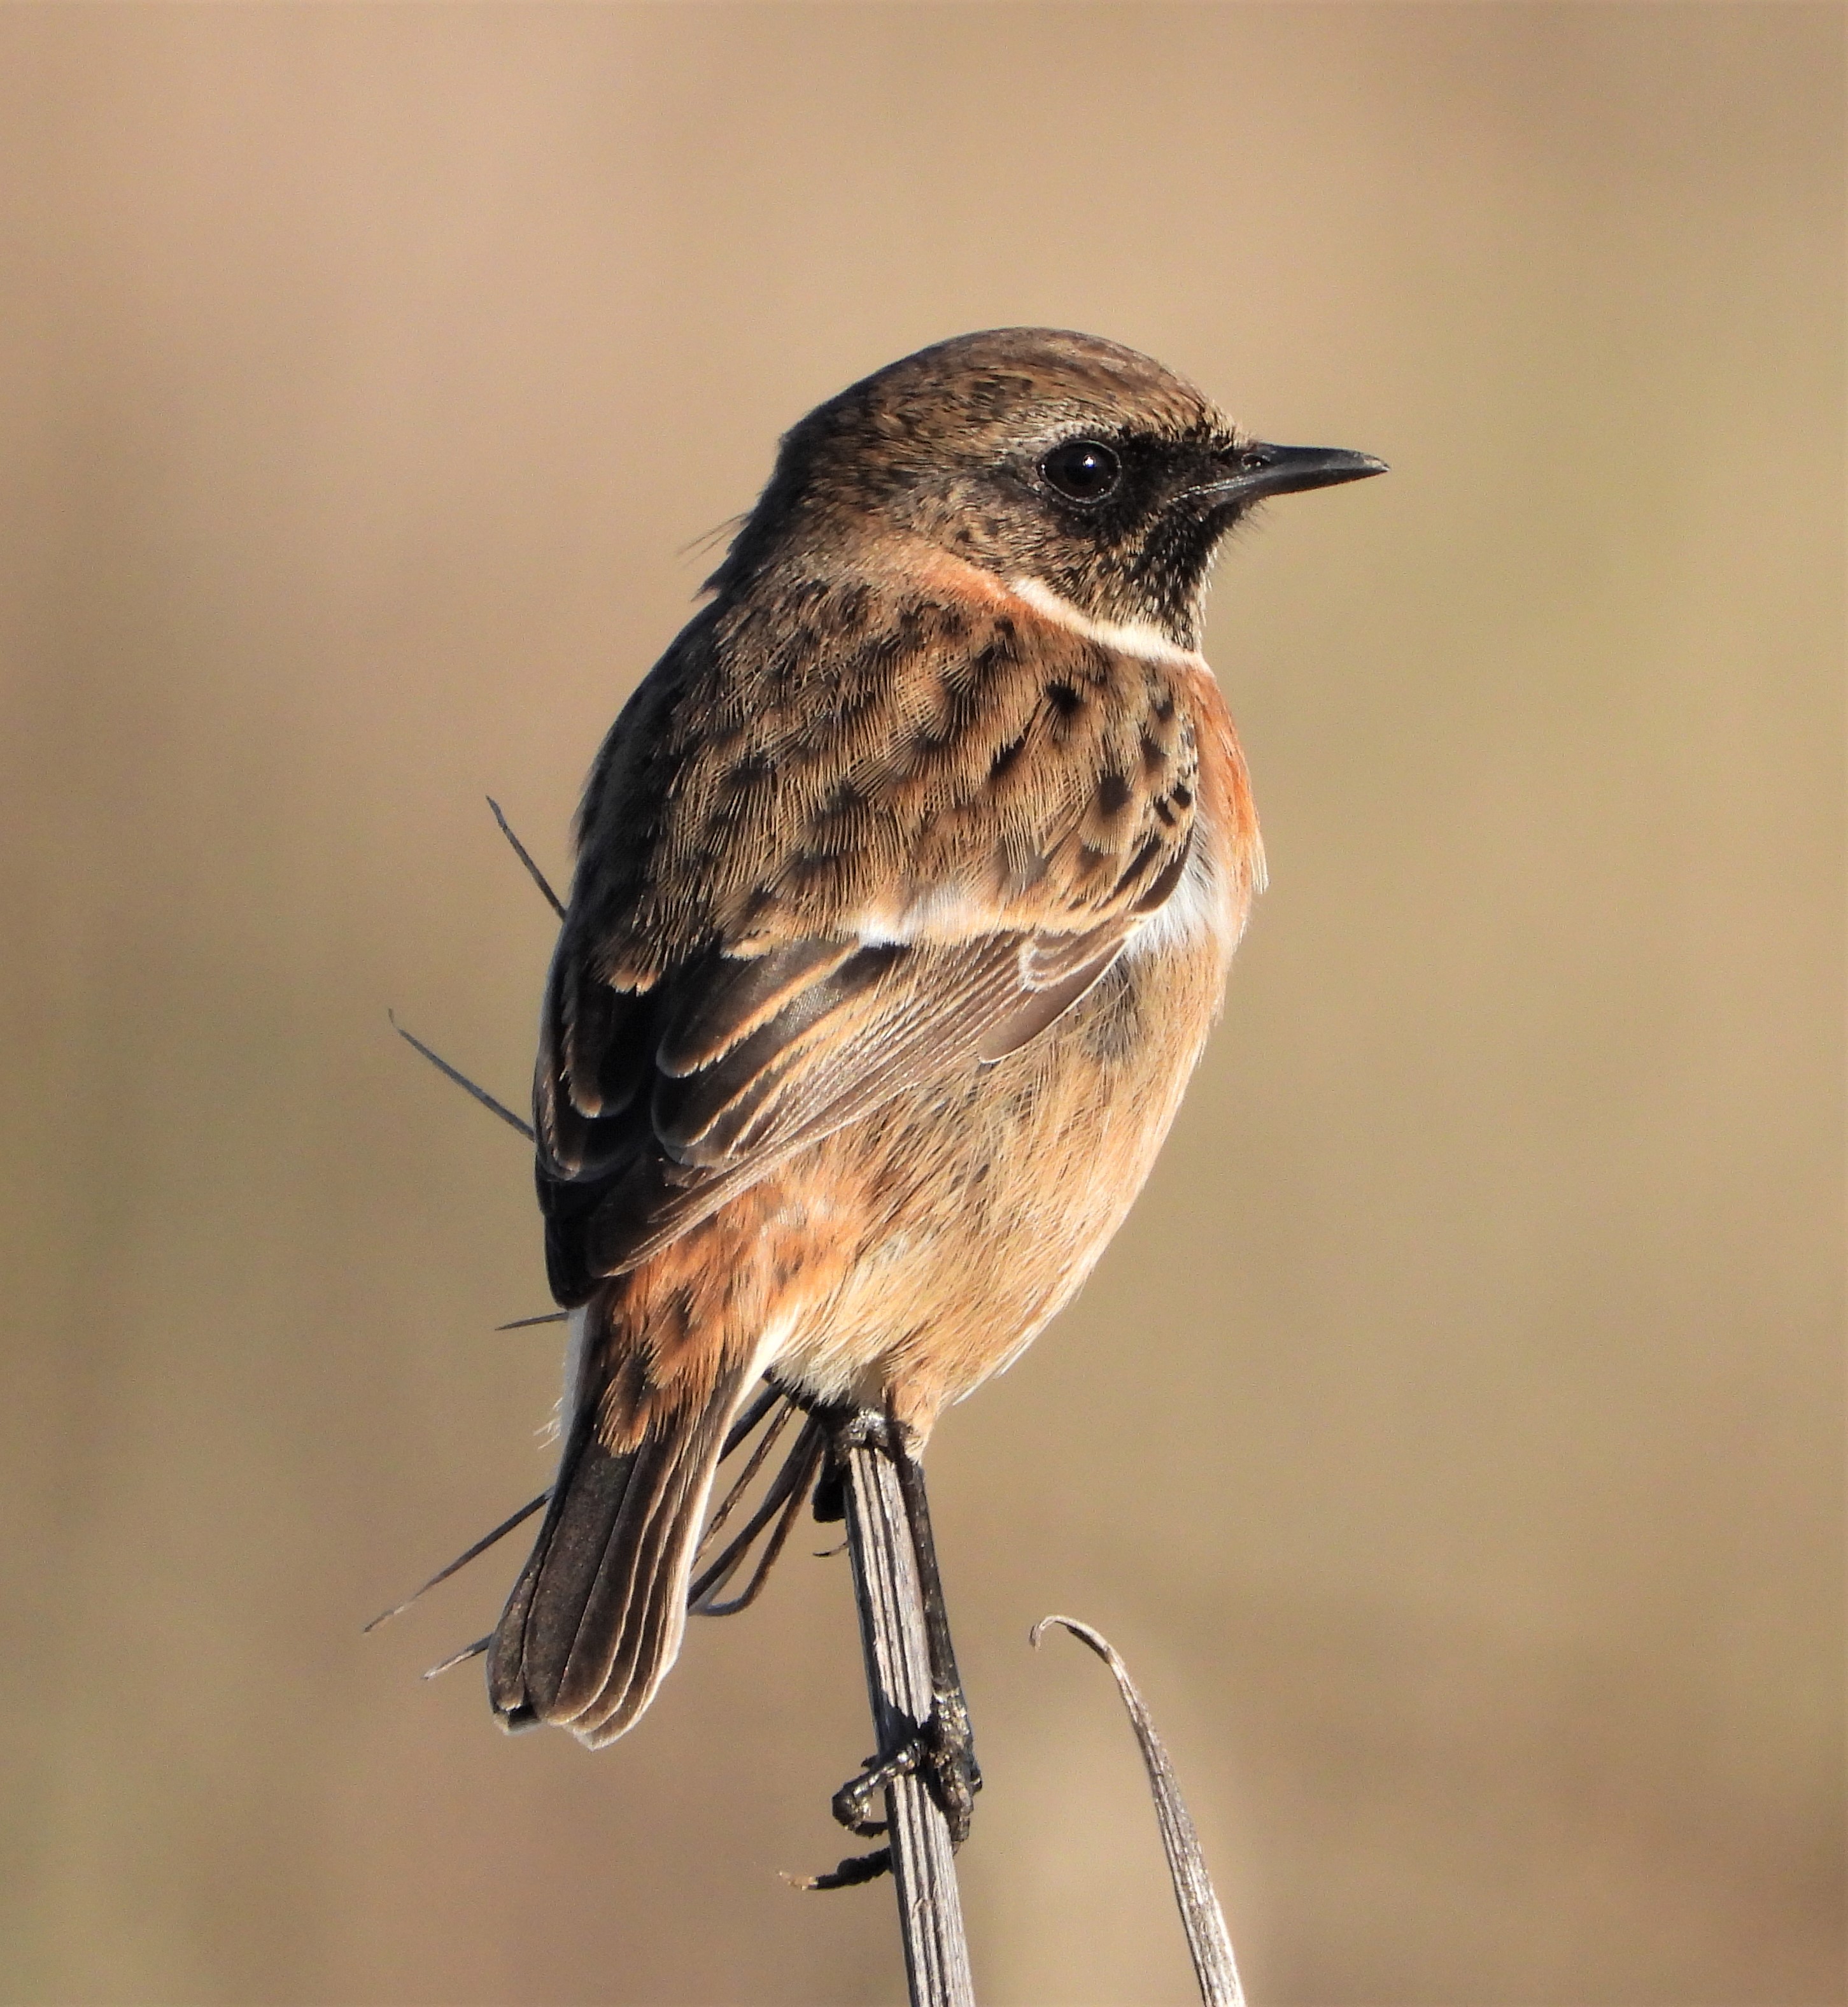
(985, 1199)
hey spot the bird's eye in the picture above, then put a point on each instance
(1082, 469)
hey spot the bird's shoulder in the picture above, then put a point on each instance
(899, 750)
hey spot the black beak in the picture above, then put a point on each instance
(1258, 470)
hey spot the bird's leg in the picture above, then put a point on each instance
(942, 1747)
(949, 1753)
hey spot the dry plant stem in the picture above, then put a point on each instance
(898, 1680)
(461, 1079)
(1207, 1937)
(461, 1561)
(520, 851)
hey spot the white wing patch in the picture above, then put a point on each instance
(1201, 903)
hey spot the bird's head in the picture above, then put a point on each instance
(1036, 454)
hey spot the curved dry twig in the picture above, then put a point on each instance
(1207, 1938)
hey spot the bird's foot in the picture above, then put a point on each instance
(941, 1752)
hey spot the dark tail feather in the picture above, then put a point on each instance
(597, 1616)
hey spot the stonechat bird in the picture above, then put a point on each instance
(906, 885)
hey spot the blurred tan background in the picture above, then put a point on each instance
(1452, 1439)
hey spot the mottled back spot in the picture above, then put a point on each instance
(1064, 700)
(1113, 794)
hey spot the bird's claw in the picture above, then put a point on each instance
(852, 1804)
(942, 1750)
(857, 1868)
